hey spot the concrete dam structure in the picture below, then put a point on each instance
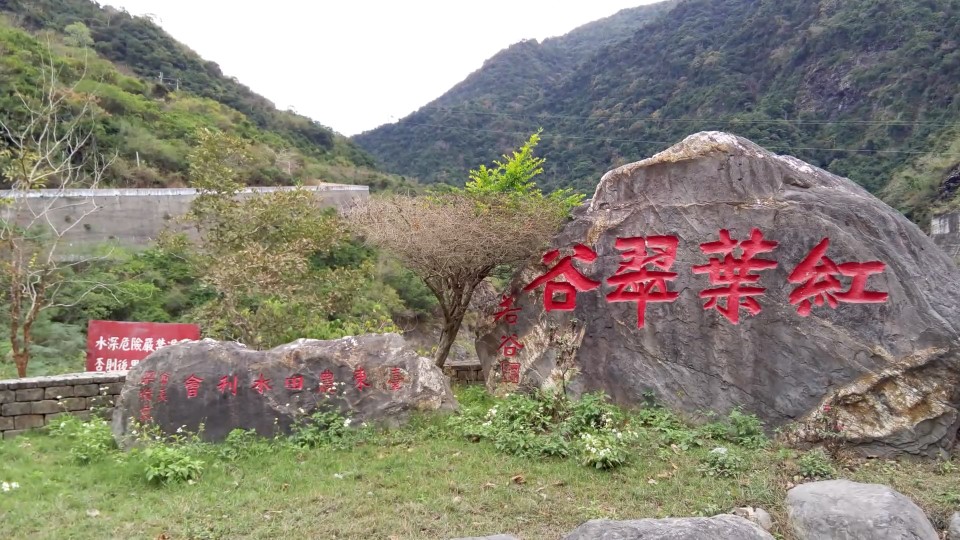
(133, 218)
(945, 231)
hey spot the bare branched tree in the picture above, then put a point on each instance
(454, 241)
(46, 148)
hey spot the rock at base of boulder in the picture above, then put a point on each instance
(494, 537)
(954, 532)
(757, 515)
(725, 526)
(842, 509)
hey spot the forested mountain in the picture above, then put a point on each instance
(864, 88)
(119, 58)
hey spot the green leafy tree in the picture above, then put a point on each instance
(258, 253)
(513, 178)
(78, 35)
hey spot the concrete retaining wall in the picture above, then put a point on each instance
(34, 402)
(133, 218)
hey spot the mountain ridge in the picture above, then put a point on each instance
(866, 89)
(116, 58)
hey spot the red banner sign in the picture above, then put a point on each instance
(118, 346)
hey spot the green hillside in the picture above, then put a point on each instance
(117, 58)
(865, 88)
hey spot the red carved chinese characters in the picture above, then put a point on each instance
(261, 385)
(510, 371)
(192, 384)
(509, 345)
(396, 378)
(565, 290)
(226, 383)
(635, 282)
(164, 378)
(734, 273)
(293, 383)
(145, 413)
(326, 382)
(146, 395)
(817, 275)
(508, 313)
(360, 378)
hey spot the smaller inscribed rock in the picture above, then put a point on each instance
(225, 386)
(954, 532)
(840, 509)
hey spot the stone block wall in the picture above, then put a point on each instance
(34, 402)
(464, 373)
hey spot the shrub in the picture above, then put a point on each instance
(322, 429)
(168, 464)
(91, 440)
(241, 444)
(746, 430)
(549, 425)
(815, 464)
(603, 450)
(671, 429)
(722, 461)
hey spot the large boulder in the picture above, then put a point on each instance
(724, 526)
(840, 509)
(842, 314)
(224, 385)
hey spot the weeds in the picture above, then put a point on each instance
(90, 440)
(550, 425)
(723, 462)
(815, 464)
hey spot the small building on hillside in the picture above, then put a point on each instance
(945, 231)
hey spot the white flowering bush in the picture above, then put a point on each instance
(8, 486)
(326, 429)
(605, 449)
(90, 440)
(548, 425)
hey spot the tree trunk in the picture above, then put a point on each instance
(21, 359)
(449, 334)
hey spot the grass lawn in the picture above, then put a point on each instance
(422, 481)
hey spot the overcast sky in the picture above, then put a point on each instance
(356, 64)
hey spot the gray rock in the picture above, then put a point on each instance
(848, 510)
(224, 385)
(728, 527)
(494, 537)
(954, 532)
(757, 515)
(888, 374)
